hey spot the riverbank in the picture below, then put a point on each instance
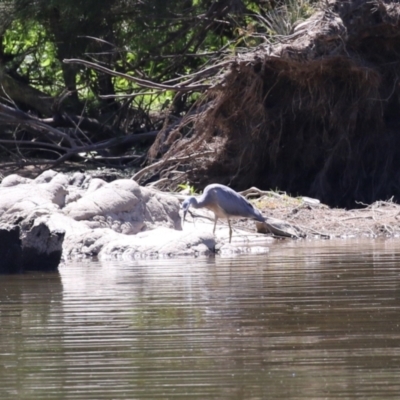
(59, 216)
(380, 219)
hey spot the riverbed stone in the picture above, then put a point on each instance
(42, 246)
(26, 197)
(161, 243)
(14, 180)
(10, 249)
(125, 207)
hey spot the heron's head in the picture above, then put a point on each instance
(185, 206)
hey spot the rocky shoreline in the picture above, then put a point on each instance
(58, 217)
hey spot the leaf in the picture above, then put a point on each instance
(46, 62)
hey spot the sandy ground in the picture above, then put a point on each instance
(380, 219)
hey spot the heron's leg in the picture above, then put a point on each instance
(230, 230)
(215, 224)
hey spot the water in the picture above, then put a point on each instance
(310, 320)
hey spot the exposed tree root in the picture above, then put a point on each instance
(314, 115)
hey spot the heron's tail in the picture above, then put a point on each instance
(258, 216)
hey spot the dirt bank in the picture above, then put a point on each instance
(380, 219)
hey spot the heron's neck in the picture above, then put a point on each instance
(195, 203)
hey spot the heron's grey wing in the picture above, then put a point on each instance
(236, 205)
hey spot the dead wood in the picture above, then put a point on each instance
(185, 86)
(279, 228)
(64, 145)
(24, 94)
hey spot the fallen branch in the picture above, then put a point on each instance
(16, 117)
(253, 191)
(139, 81)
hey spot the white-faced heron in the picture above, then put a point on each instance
(224, 202)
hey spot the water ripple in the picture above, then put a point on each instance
(305, 321)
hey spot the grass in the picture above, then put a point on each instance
(277, 200)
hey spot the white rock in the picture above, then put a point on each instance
(125, 207)
(14, 180)
(161, 242)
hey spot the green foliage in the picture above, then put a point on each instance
(187, 188)
(280, 20)
(35, 56)
(156, 40)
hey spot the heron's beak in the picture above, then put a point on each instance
(184, 214)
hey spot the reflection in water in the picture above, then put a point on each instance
(308, 320)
